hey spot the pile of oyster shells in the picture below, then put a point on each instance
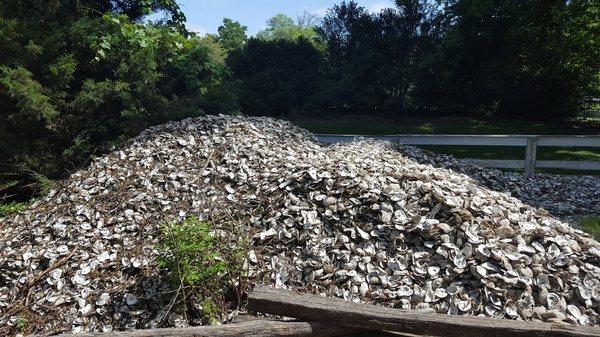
(359, 221)
(568, 197)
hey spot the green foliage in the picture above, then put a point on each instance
(591, 225)
(232, 35)
(205, 264)
(13, 207)
(210, 310)
(45, 184)
(78, 77)
(282, 27)
(189, 251)
(526, 59)
(277, 77)
(21, 324)
(28, 96)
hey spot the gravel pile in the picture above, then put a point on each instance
(359, 221)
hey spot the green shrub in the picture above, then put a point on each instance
(21, 324)
(12, 207)
(190, 253)
(79, 77)
(206, 265)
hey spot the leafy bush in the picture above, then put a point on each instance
(190, 253)
(76, 78)
(204, 267)
(12, 207)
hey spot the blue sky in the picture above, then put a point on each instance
(204, 16)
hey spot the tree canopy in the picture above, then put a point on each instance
(282, 27)
(78, 77)
(232, 35)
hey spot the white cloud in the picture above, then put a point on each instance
(320, 12)
(197, 29)
(377, 7)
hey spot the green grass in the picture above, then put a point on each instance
(591, 225)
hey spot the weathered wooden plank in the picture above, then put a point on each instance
(365, 316)
(530, 153)
(469, 140)
(19, 192)
(260, 328)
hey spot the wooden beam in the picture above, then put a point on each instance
(343, 313)
(259, 327)
(479, 140)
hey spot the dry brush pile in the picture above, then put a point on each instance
(359, 221)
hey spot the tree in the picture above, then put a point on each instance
(79, 77)
(62, 12)
(527, 59)
(232, 35)
(307, 20)
(522, 59)
(277, 77)
(282, 27)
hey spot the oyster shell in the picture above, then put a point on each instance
(365, 221)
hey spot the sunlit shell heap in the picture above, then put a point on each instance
(358, 221)
(566, 196)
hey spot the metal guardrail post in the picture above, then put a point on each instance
(530, 153)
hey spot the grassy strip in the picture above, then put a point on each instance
(591, 225)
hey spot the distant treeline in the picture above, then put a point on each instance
(527, 59)
(77, 77)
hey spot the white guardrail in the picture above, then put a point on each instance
(530, 142)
